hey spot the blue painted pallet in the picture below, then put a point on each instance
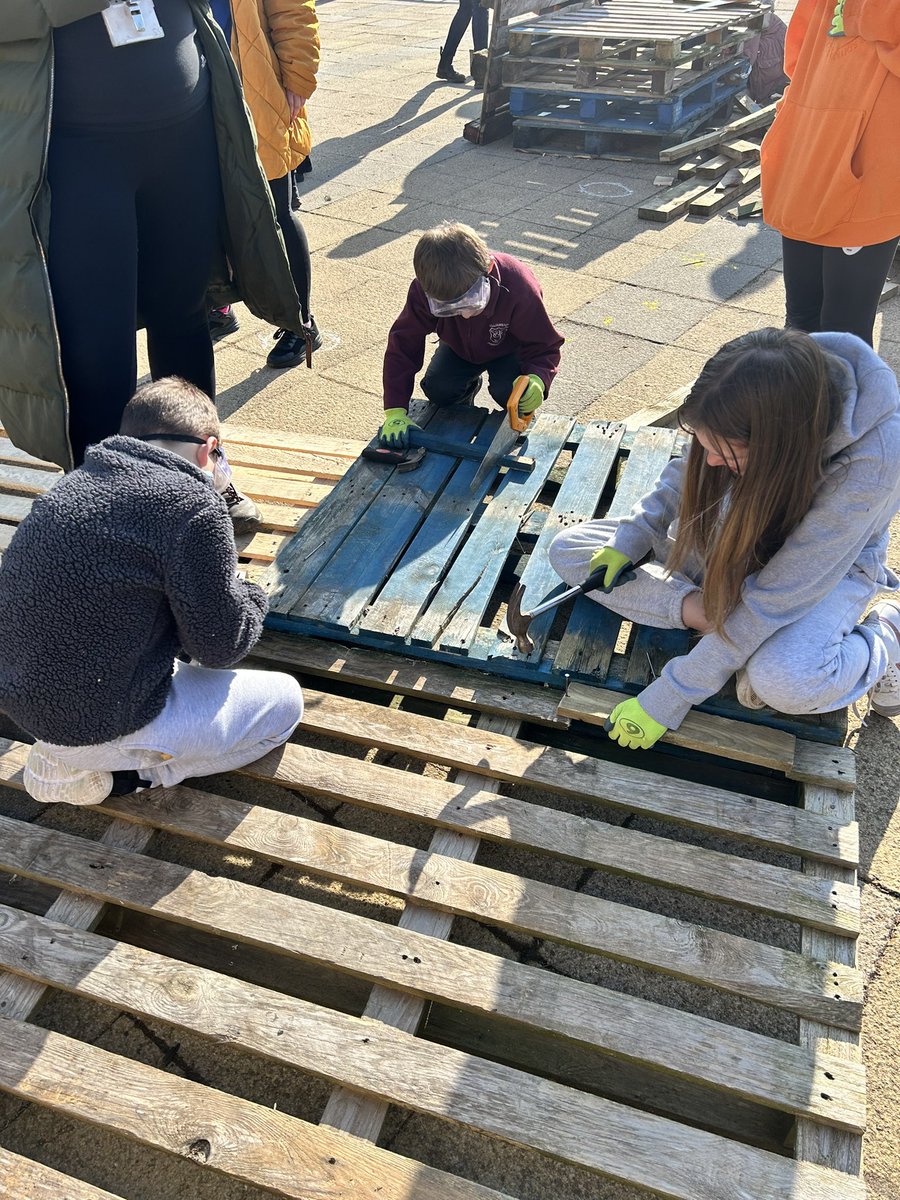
(692, 102)
(417, 563)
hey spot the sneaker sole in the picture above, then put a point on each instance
(884, 711)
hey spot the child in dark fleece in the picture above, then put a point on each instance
(488, 312)
(127, 563)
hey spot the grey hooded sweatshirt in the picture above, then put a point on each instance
(846, 527)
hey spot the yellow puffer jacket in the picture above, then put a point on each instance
(275, 44)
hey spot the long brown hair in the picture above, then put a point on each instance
(780, 394)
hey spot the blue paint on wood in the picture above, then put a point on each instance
(577, 501)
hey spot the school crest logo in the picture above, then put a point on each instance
(496, 334)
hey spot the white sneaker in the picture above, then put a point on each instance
(51, 781)
(885, 695)
(745, 693)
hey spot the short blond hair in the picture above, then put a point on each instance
(448, 259)
(170, 406)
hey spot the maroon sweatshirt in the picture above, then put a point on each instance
(515, 321)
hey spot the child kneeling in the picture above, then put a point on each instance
(488, 312)
(125, 566)
(769, 537)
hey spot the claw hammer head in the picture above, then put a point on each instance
(517, 622)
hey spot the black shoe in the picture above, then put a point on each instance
(291, 347)
(126, 782)
(445, 70)
(222, 321)
(243, 512)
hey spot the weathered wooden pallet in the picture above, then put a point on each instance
(418, 563)
(285, 474)
(678, 1098)
(680, 110)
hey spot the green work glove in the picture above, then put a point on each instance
(533, 396)
(394, 433)
(615, 563)
(630, 726)
(837, 21)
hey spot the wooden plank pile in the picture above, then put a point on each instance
(628, 77)
(632, 1059)
(286, 475)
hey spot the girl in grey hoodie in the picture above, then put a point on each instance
(768, 537)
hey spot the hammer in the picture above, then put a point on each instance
(517, 622)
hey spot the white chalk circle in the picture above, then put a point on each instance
(605, 189)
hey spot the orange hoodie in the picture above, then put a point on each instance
(831, 161)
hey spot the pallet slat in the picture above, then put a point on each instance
(241, 1139)
(21, 1177)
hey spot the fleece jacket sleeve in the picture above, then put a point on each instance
(853, 505)
(25, 19)
(878, 22)
(405, 351)
(219, 616)
(648, 522)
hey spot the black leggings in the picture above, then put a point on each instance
(134, 217)
(294, 239)
(829, 290)
(469, 10)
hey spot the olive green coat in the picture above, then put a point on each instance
(252, 264)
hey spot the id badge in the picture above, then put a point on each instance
(130, 21)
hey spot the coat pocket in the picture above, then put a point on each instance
(807, 158)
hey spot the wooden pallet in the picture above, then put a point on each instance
(418, 563)
(675, 1097)
(286, 475)
(678, 111)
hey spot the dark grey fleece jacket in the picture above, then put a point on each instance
(123, 564)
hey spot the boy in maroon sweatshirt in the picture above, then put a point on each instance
(488, 312)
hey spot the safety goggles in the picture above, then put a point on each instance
(474, 300)
(221, 472)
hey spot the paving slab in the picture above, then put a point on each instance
(643, 312)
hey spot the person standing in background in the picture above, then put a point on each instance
(129, 182)
(830, 168)
(468, 12)
(275, 44)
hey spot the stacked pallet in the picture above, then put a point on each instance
(628, 76)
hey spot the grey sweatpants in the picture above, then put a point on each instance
(213, 721)
(824, 661)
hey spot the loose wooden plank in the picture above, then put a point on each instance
(680, 1043)
(738, 740)
(590, 637)
(576, 501)
(842, 1151)
(706, 206)
(756, 120)
(469, 806)
(19, 997)
(28, 1180)
(440, 1081)
(344, 1109)
(411, 586)
(519, 761)
(243, 1140)
(455, 613)
(346, 585)
(661, 414)
(459, 686)
(675, 201)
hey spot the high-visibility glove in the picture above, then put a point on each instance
(533, 396)
(394, 433)
(630, 726)
(617, 567)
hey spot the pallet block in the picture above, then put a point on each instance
(689, 1105)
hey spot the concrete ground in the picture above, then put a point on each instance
(642, 306)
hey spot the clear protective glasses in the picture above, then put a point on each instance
(472, 301)
(221, 471)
